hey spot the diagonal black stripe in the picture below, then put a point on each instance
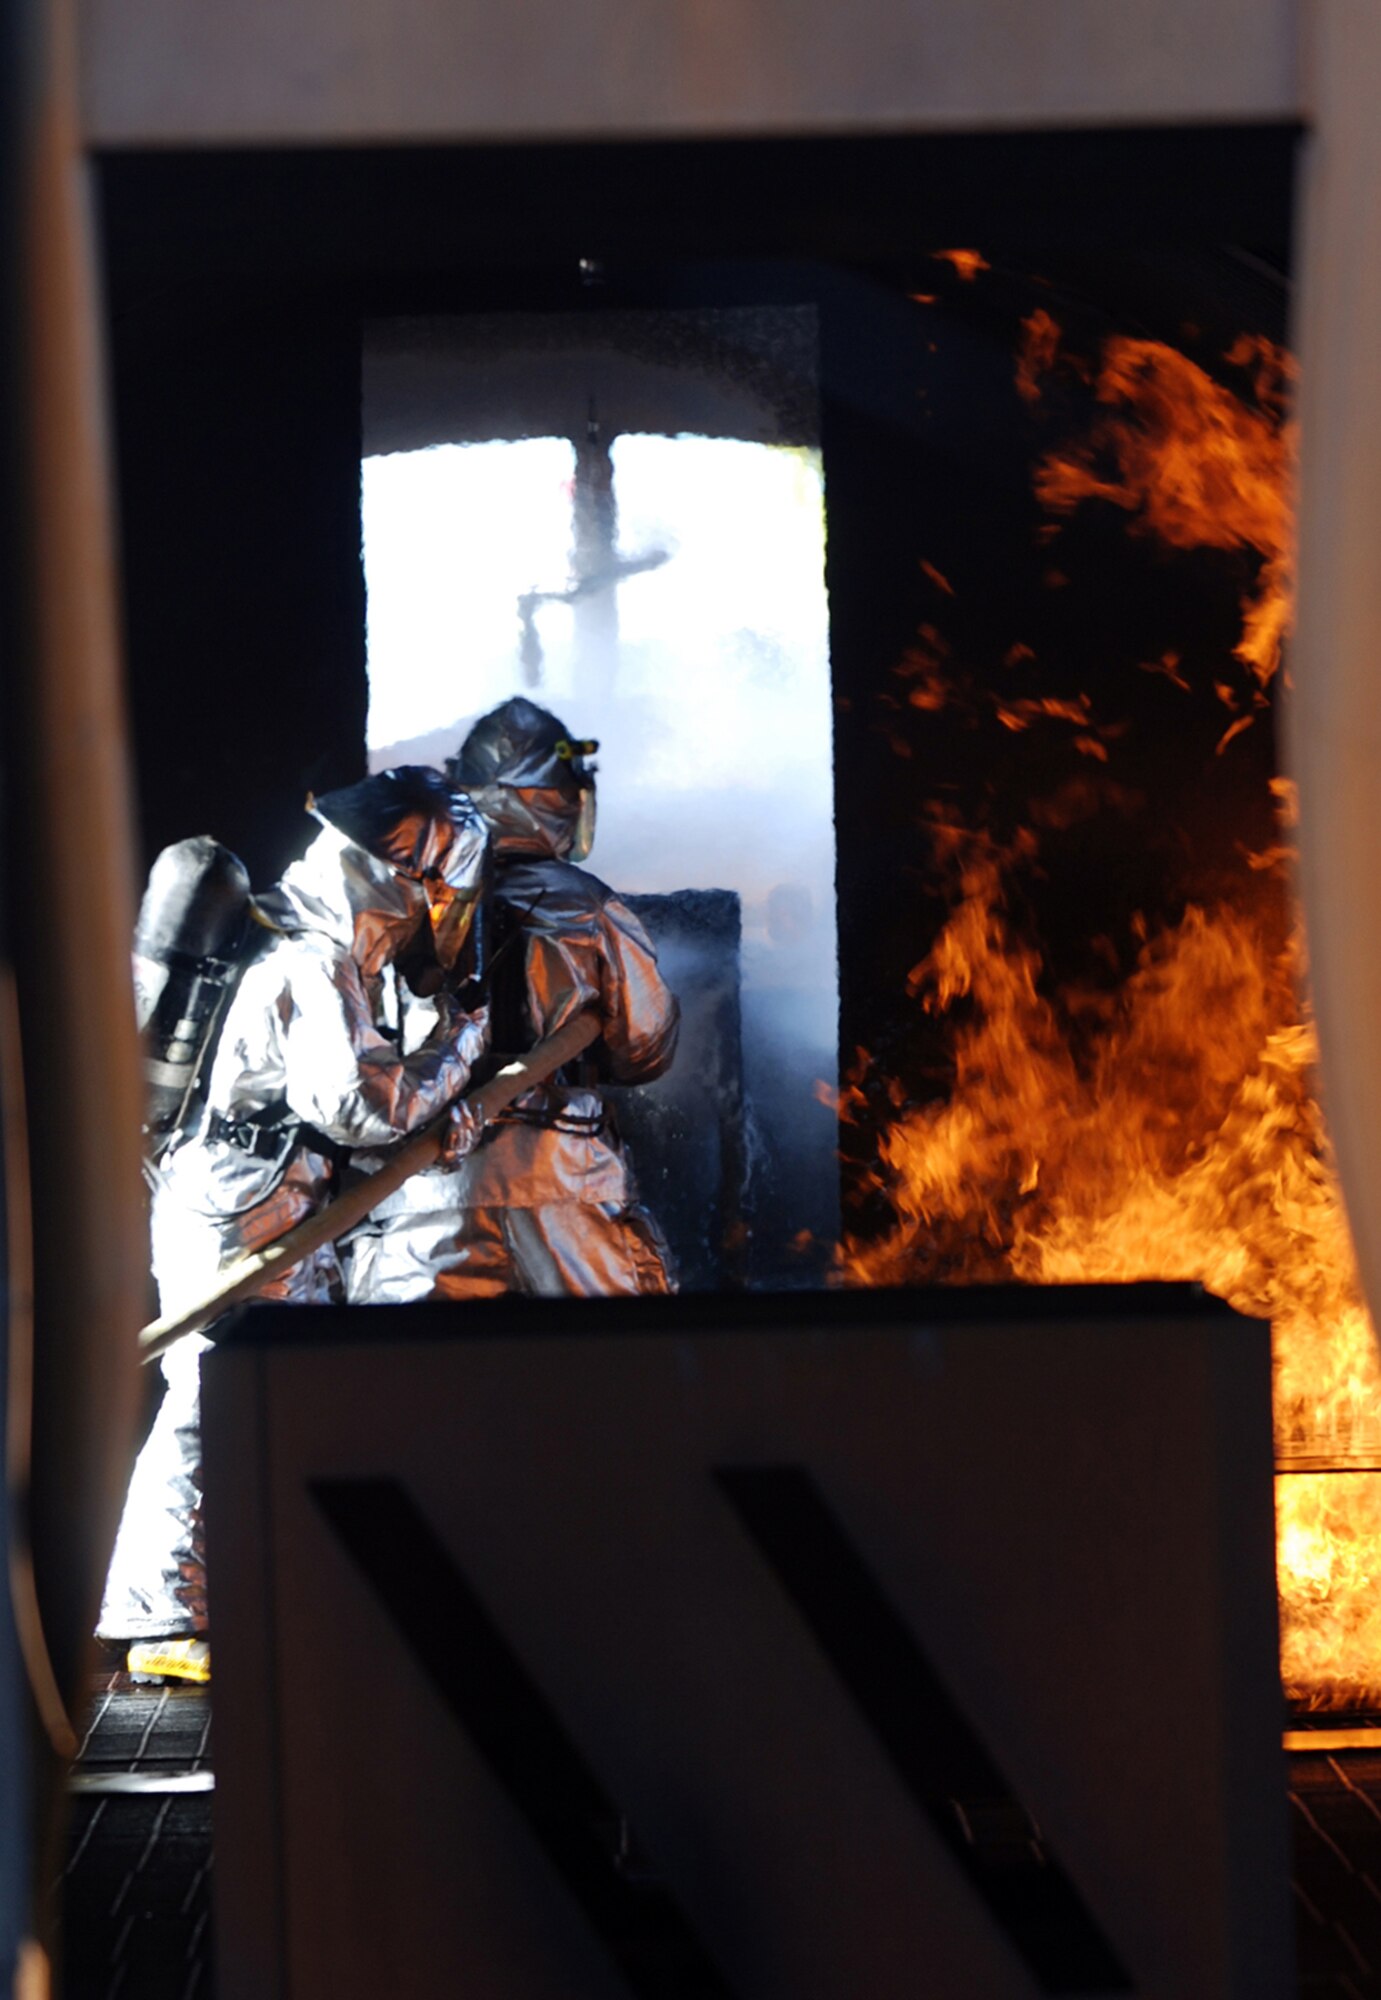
(930, 1741)
(487, 1689)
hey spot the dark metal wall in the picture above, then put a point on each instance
(238, 440)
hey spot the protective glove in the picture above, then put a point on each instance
(464, 1124)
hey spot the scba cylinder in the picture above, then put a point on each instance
(188, 945)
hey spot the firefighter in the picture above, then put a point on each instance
(546, 1202)
(313, 1060)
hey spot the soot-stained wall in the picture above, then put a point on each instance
(239, 474)
(237, 285)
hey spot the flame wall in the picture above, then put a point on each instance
(1101, 1061)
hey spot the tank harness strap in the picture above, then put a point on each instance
(269, 1133)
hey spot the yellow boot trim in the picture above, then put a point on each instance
(171, 1659)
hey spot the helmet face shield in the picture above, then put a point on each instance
(451, 913)
(584, 838)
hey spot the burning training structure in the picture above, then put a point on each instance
(1078, 860)
(1041, 783)
(1139, 1101)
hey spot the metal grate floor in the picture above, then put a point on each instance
(136, 1891)
(1335, 1817)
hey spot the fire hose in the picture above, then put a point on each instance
(248, 1275)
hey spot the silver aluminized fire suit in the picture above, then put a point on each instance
(546, 1202)
(307, 1062)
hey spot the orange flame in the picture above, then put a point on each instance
(968, 263)
(1040, 343)
(1111, 1138)
(1017, 715)
(1168, 1128)
(1196, 466)
(1328, 1555)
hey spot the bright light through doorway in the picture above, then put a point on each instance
(703, 671)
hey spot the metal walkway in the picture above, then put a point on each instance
(136, 1891)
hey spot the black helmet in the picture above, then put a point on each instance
(424, 828)
(528, 749)
(406, 817)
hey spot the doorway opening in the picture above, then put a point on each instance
(622, 516)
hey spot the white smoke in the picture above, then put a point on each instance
(705, 677)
